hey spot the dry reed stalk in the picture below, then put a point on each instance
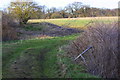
(102, 58)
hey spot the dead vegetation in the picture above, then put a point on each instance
(44, 28)
(8, 31)
(102, 59)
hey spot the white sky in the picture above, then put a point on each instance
(61, 3)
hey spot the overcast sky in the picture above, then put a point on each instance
(61, 3)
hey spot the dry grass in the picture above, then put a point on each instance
(91, 18)
(8, 32)
(102, 59)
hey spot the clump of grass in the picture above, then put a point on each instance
(102, 59)
(32, 28)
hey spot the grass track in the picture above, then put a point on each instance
(36, 58)
(33, 58)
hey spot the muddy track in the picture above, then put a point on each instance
(49, 29)
(28, 64)
(42, 59)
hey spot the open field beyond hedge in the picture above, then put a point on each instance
(38, 57)
(75, 22)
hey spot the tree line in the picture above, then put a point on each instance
(77, 9)
(23, 11)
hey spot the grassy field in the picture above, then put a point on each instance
(35, 58)
(74, 22)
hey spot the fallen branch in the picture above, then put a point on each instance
(80, 55)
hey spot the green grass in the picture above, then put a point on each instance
(35, 58)
(29, 27)
(72, 22)
(65, 23)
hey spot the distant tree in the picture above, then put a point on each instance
(69, 10)
(43, 8)
(23, 11)
(76, 5)
(64, 14)
(48, 14)
(56, 15)
(44, 11)
(85, 11)
(53, 10)
(73, 9)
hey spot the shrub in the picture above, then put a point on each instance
(102, 59)
(32, 28)
(8, 31)
(56, 15)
